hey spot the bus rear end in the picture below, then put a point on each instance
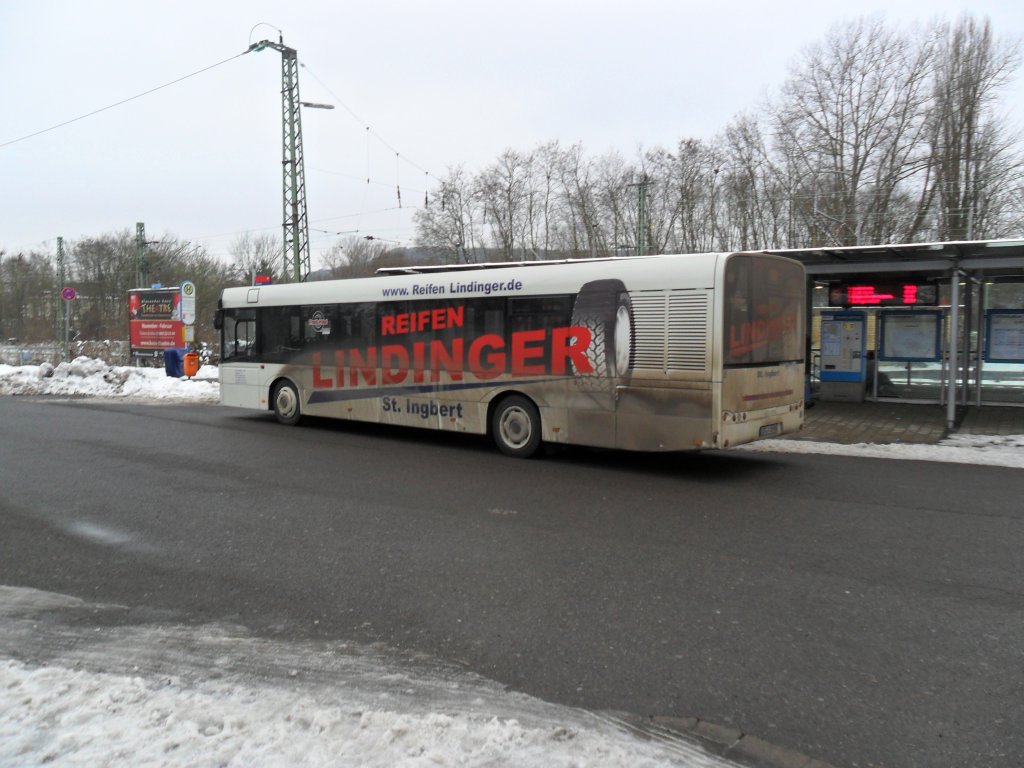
(763, 341)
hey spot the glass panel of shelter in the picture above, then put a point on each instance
(979, 381)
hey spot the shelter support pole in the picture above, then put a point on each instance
(980, 325)
(954, 332)
(808, 328)
(965, 332)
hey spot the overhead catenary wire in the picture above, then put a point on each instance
(121, 102)
(369, 179)
(369, 131)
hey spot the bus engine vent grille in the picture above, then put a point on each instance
(687, 331)
(671, 330)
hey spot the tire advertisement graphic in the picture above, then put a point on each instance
(603, 308)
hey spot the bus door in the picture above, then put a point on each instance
(240, 385)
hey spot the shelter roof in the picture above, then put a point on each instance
(988, 257)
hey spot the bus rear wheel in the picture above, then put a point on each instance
(286, 403)
(515, 427)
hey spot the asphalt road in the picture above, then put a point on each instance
(863, 612)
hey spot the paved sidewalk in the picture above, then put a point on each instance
(883, 422)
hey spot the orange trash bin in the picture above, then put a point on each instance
(191, 364)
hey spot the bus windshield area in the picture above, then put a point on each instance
(764, 322)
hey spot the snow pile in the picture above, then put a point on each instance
(991, 450)
(215, 695)
(86, 376)
(81, 718)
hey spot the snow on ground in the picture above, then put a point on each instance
(74, 717)
(79, 694)
(990, 450)
(85, 376)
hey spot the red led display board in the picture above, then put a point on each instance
(872, 294)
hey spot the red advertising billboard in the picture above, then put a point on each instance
(154, 317)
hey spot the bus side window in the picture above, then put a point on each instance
(536, 312)
(485, 316)
(539, 313)
(319, 327)
(280, 334)
(356, 325)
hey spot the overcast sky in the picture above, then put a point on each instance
(439, 83)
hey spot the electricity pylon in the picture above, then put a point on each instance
(293, 167)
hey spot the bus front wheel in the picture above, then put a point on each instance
(515, 426)
(286, 403)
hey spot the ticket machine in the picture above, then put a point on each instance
(843, 370)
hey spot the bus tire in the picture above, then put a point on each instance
(286, 403)
(516, 427)
(603, 307)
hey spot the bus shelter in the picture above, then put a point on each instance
(921, 322)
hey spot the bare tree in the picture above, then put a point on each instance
(448, 221)
(576, 211)
(104, 270)
(28, 297)
(849, 123)
(753, 206)
(971, 152)
(354, 257)
(257, 254)
(617, 201)
(542, 205)
(503, 190)
(683, 211)
(877, 135)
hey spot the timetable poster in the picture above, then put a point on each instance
(1004, 340)
(911, 336)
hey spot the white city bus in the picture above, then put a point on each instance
(654, 353)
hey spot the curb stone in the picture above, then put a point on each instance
(725, 741)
